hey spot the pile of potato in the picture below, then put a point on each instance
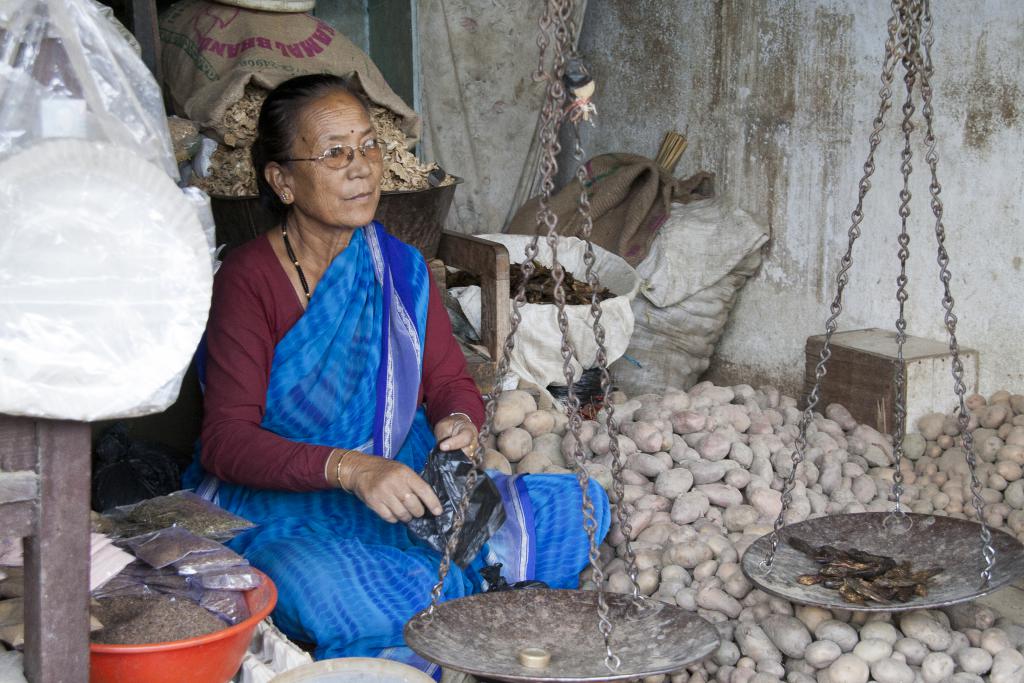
(705, 468)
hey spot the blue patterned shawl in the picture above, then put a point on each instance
(332, 366)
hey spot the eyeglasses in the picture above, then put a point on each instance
(340, 156)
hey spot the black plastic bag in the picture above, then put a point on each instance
(446, 472)
(127, 470)
(496, 583)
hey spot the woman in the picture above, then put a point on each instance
(331, 372)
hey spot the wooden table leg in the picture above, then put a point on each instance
(57, 558)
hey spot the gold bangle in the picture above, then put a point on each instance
(337, 468)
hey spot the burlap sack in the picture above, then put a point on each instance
(630, 198)
(212, 51)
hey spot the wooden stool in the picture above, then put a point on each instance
(44, 499)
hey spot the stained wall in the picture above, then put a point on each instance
(779, 98)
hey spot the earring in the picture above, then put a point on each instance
(286, 197)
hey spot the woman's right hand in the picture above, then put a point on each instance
(389, 488)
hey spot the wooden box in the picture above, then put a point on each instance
(861, 375)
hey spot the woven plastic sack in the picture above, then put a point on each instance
(692, 276)
(212, 51)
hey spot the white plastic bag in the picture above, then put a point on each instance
(537, 354)
(106, 272)
(66, 71)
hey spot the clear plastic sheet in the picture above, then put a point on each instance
(204, 211)
(122, 586)
(108, 275)
(446, 472)
(167, 546)
(160, 549)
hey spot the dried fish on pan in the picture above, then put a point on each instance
(860, 576)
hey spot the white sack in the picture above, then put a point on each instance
(537, 355)
(699, 261)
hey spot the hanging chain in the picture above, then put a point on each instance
(556, 24)
(910, 46)
(575, 425)
(549, 121)
(618, 459)
(910, 40)
(562, 30)
(932, 158)
(892, 57)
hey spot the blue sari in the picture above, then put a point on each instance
(348, 374)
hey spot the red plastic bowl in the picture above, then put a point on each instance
(213, 658)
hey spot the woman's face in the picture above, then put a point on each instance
(340, 198)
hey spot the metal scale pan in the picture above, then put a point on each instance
(949, 543)
(484, 635)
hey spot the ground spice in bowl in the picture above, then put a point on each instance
(158, 619)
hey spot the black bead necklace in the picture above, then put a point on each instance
(295, 262)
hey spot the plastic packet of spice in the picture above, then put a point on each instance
(215, 560)
(121, 586)
(161, 548)
(181, 508)
(446, 472)
(228, 605)
(232, 579)
(158, 580)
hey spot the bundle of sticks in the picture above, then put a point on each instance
(672, 148)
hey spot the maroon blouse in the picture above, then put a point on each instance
(254, 305)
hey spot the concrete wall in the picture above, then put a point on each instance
(779, 97)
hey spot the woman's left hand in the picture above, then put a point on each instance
(454, 432)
